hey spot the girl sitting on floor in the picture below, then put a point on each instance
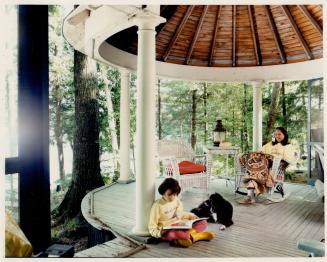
(169, 210)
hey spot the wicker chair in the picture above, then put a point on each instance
(278, 173)
(173, 152)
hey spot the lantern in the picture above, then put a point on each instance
(219, 133)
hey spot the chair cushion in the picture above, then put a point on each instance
(187, 167)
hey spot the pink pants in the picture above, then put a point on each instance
(173, 234)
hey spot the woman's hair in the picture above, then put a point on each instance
(169, 183)
(285, 140)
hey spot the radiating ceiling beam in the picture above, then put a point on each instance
(213, 43)
(313, 21)
(297, 32)
(234, 36)
(273, 28)
(196, 35)
(168, 15)
(254, 36)
(178, 31)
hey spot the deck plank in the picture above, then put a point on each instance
(118, 247)
(259, 230)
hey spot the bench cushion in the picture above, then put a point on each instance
(187, 167)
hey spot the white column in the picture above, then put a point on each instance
(124, 127)
(257, 115)
(145, 119)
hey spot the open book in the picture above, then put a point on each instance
(184, 224)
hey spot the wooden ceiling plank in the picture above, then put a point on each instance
(178, 31)
(297, 32)
(163, 25)
(163, 8)
(234, 36)
(213, 43)
(273, 28)
(254, 36)
(313, 21)
(196, 35)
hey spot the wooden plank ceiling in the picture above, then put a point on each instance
(233, 35)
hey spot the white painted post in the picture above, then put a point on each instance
(145, 119)
(124, 127)
(257, 115)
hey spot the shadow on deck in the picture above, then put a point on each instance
(259, 230)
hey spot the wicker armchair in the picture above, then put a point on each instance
(172, 154)
(278, 173)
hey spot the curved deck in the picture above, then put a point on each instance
(259, 230)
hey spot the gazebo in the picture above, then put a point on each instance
(208, 43)
(203, 42)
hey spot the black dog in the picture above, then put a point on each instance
(218, 209)
(204, 210)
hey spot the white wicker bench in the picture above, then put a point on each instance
(171, 152)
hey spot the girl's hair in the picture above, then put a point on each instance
(169, 183)
(285, 140)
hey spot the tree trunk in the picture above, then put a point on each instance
(193, 122)
(111, 117)
(284, 105)
(272, 113)
(159, 112)
(320, 96)
(58, 132)
(245, 144)
(86, 165)
(112, 124)
(241, 139)
(233, 123)
(205, 115)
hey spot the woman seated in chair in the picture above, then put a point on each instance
(258, 177)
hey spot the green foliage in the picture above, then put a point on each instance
(69, 232)
(133, 106)
(113, 78)
(64, 183)
(57, 194)
(176, 109)
(110, 178)
(106, 179)
(56, 198)
(227, 101)
(224, 102)
(289, 175)
(61, 64)
(296, 110)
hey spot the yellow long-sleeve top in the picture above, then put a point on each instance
(164, 213)
(286, 152)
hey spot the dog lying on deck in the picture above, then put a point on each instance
(218, 209)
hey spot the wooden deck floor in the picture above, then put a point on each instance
(259, 230)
